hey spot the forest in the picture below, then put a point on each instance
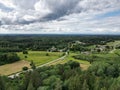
(69, 76)
(17, 43)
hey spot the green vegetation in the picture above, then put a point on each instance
(6, 58)
(97, 57)
(25, 68)
(83, 63)
(25, 52)
(19, 43)
(92, 62)
(116, 42)
(32, 65)
(68, 76)
(40, 57)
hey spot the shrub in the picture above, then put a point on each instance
(47, 54)
(73, 64)
(25, 56)
(25, 68)
(25, 52)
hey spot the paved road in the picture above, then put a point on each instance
(61, 58)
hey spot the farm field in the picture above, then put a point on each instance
(40, 57)
(13, 68)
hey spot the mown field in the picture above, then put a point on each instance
(14, 67)
(40, 57)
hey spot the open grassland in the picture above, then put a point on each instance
(117, 42)
(13, 68)
(40, 57)
(83, 64)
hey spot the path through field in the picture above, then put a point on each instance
(56, 60)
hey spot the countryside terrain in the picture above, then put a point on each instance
(59, 62)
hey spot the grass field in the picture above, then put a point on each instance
(40, 57)
(117, 42)
(14, 67)
(83, 64)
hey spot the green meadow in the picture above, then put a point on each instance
(40, 57)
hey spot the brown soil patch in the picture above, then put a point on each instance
(13, 68)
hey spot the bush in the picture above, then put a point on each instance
(25, 56)
(73, 64)
(47, 54)
(32, 64)
(63, 54)
(25, 52)
(25, 68)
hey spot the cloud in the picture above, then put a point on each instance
(59, 16)
(59, 8)
(5, 8)
(25, 4)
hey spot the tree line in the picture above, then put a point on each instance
(6, 58)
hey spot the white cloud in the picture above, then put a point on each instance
(59, 16)
(8, 3)
(25, 4)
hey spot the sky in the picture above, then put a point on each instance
(59, 16)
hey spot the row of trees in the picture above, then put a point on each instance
(6, 58)
(80, 48)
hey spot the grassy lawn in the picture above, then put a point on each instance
(13, 68)
(39, 57)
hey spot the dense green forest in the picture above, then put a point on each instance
(100, 51)
(17, 43)
(69, 76)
